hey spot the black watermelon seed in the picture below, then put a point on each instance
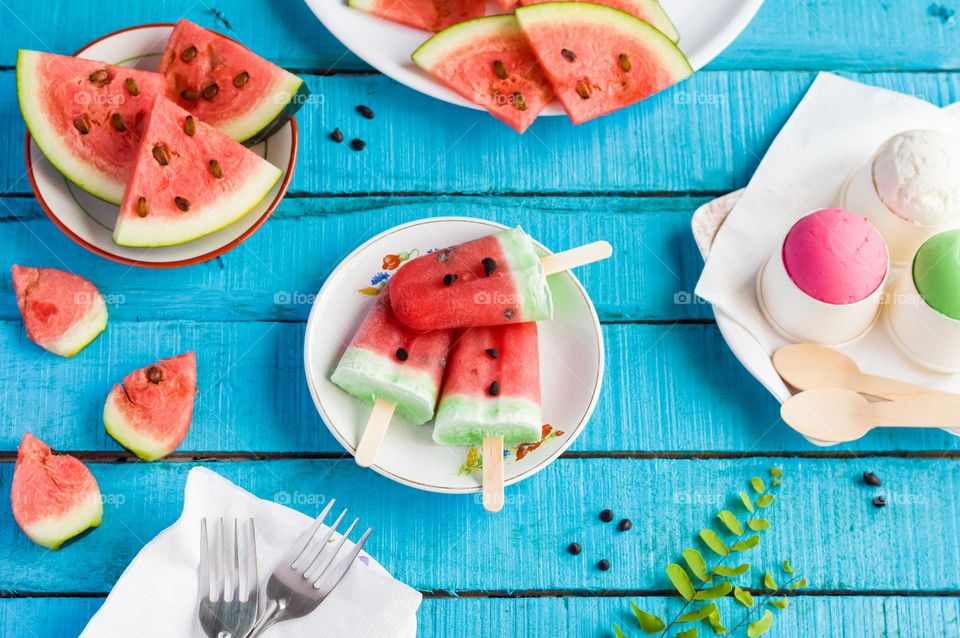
(574, 548)
(181, 203)
(210, 91)
(625, 63)
(241, 80)
(489, 265)
(494, 389)
(160, 154)
(336, 135)
(871, 479)
(189, 53)
(606, 516)
(625, 525)
(499, 70)
(154, 375)
(492, 352)
(365, 111)
(402, 354)
(603, 565)
(191, 95)
(100, 77)
(216, 169)
(116, 121)
(583, 90)
(82, 124)
(508, 313)
(568, 55)
(879, 501)
(357, 144)
(131, 85)
(448, 279)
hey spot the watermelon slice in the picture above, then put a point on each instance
(86, 116)
(62, 312)
(150, 413)
(188, 185)
(228, 86)
(600, 59)
(429, 15)
(54, 497)
(649, 11)
(489, 62)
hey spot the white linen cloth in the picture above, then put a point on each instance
(836, 128)
(157, 593)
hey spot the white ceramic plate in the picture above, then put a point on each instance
(745, 347)
(571, 363)
(706, 29)
(89, 221)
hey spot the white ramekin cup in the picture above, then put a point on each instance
(798, 317)
(929, 337)
(904, 237)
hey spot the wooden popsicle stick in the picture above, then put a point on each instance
(493, 473)
(372, 437)
(576, 257)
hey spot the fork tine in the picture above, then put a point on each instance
(235, 563)
(318, 566)
(203, 570)
(332, 577)
(301, 545)
(252, 582)
(220, 554)
(307, 558)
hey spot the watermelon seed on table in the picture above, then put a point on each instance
(365, 111)
(871, 479)
(131, 85)
(357, 144)
(336, 135)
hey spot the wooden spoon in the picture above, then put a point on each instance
(836, 416)
(807, 366)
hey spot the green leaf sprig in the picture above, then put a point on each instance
(696, 580)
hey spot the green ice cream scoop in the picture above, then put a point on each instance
(936, 272)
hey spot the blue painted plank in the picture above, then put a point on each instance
(823, 522)
(586, 617)
(804, 35)
(253, 396)
(698, 136)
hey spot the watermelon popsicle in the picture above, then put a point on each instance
(491, 397)
(395, 369)
(494, 280)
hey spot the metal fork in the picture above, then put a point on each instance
(309, 571)
(228, 598)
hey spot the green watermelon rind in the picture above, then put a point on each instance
(74, 168)
(83, 332)
(553, 12)
(453, 39)
(144, 233)
(659, 19)
(53, 531)
(123, 432)
(274, 111)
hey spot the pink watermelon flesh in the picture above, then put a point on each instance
(489, 62)
(228, 86)
(429, 15)
(150, 413)
(85, 117)
(62, 312)
(649, 11)
(506, 5)
(599, 59)
(54, 497)
(175, 194)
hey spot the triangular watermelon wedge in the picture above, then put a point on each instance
(429, 15)
(189, 180)
(227, 85)
(150, 413)
(489, 62)
(86, 116)
(54, 497)
(649, 11)
(600, 59)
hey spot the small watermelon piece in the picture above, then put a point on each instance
(150, 412)
(54, 497)
(185, 186)
(86, 116)
(649, 11)
(62, 312)
(489, 62)
(227, 85)
(600, 59)
(429, 15)
(507, 5)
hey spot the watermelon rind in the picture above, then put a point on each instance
(273, 113)
(76, 169)
(52, 532)
(652, 12)
(83, 332)
(453, 39)
(125, 434)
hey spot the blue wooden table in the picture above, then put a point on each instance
(680, 425)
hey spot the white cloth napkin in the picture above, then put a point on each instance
(157, 594)
(837, 127)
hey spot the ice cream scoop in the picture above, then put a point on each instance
(917, 176)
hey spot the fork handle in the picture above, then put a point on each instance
(271, 615)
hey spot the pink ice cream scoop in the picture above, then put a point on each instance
(835, 256)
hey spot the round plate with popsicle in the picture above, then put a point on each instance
(410, 309)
